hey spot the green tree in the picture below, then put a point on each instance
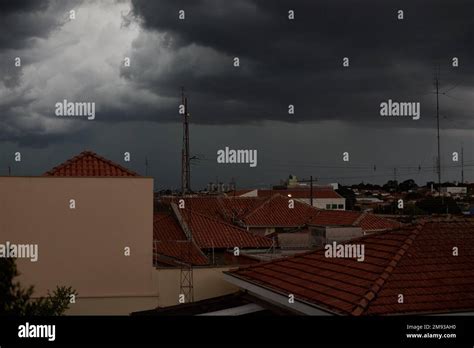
(16, 300)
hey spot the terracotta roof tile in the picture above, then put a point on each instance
(175, 252)
(275, 211)
(416, 261)
(368, 222)
(170, 240)
(170, 244)
(209, 232)
(334, 217)
(165, 227)
(88, 163)
(227, 209)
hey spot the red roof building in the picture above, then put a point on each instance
(88, 163)
(422, 269)
(227, 209)
(172, 246)
(275, 211)
(368, 222)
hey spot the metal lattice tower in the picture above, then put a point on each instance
(186, 286)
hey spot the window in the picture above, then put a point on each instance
(334, 206)
(328, 206)
(340, 206)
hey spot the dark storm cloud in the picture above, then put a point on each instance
(24, 20)
(282, 62)
(300, 62)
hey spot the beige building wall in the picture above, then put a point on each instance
(82, 247)
(208, 282)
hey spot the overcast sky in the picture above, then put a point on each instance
(282, 62)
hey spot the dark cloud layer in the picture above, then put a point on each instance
(24, 20)
(300, 62)
(282, 62)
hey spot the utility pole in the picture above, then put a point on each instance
(395, 174)
(462, 163)
(311, 188)
(437, 121)
(185, 168)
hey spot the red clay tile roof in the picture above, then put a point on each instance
(173, 252)
(334, 217)
(275, 212)
(373, 222)
(227, 209)
(88, 163)
(165, 227)
(209, 232)
(416, 262)
(429, 276)
(368, 222)
(319, 193)
(170, 244)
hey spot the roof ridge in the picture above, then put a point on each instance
(265, 201)
(222, 209)
(224, 223)
(279, 195)
(67, 162)
(110, 162)
(378, 284)
(82, 155)
(359, 218)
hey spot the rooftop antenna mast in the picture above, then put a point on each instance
(437, 122)
(185, 168)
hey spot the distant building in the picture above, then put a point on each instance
(323, 197)
(454, 190)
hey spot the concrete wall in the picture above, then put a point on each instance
(83, 247)
(328, 234)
